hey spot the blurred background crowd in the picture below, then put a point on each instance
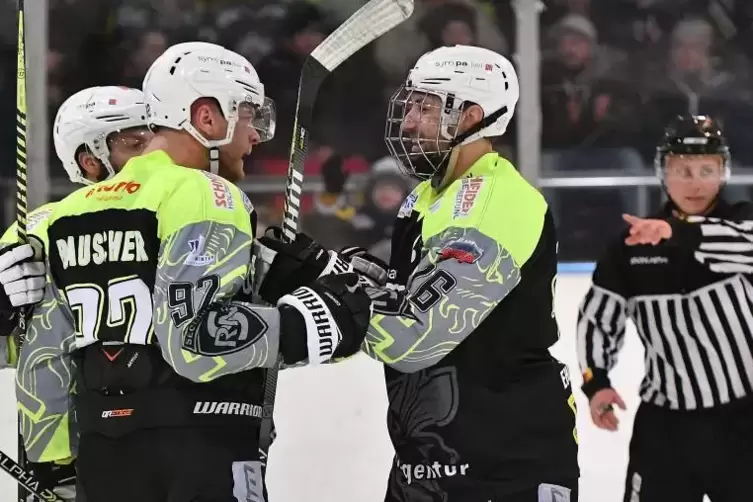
(613, 72)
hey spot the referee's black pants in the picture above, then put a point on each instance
(683, 455)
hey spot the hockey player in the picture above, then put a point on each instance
(478, 408)
(152, 270)
(96, 131)
(684, 277)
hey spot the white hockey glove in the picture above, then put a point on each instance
(22, 274)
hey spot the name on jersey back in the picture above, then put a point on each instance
(96, 249)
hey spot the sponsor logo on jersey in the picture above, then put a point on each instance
(247, 203)
(223, 197)
(196, 256)
(227, 408)
(649, 260)
(466, 196)
(462, 250)
(407, 208)
(116, 190)
(124, 412)
(36, 218)
(435, 470)
(96, 249)
(224, 330)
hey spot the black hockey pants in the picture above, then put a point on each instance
(680, 455)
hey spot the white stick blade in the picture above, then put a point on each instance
(368, 23)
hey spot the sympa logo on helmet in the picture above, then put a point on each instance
(464, 64)
(223, 62)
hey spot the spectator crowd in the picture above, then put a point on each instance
(613, 72)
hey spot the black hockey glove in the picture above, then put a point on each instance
(366, 265)
(59, 478)
(326, 320)
(294, 264)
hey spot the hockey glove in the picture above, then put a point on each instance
(366, 265)
(292, 265)
(325, 320)
(58, 477)
(22, 275)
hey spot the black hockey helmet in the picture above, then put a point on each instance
(692, 135)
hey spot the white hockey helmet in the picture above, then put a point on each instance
(457, 76)
(88, 117)
(193, 70)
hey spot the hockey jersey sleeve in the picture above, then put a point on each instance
(725, 246)
(602, 315)
(204, 320)
(44, 381)
(471, 260)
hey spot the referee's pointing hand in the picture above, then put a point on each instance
(646, 231)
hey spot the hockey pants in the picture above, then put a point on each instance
(681, 455)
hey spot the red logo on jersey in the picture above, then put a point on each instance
(129, 187)
(221, 191)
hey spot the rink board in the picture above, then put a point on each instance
(332, 442)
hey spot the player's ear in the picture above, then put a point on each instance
(89, 164)
(472, 114)
(206, 117)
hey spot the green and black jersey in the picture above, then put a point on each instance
(158, 256)
(475, 398)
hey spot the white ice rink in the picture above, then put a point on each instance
(337, 450)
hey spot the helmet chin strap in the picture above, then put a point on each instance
(214, 160)
(446, 166)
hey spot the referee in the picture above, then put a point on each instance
(684, 278)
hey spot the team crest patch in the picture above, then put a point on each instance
(196, 256)
(466, 196)
(223, 197)
(224, 331)
(462, 250)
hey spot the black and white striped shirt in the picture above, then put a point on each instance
(691, 299)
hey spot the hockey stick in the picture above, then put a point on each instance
(21, 202)
(21, 210)
(26, 480)
(367, 24)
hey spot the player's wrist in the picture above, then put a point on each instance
(594, 380)
(293, 347)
